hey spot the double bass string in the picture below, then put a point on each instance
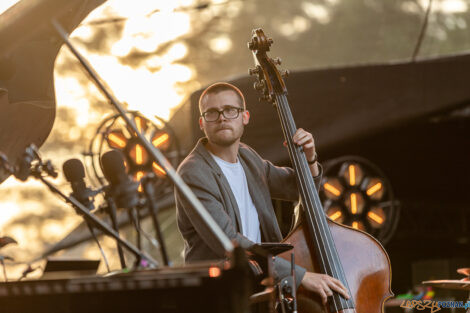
(325, 243)
(290, 127)
(319, 217)
(337, 269)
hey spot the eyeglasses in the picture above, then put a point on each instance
(230, 113)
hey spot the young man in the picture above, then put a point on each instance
(236, 185)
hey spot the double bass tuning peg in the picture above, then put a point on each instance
(258, 85)
(265, 98)
(253, 71)
(277, 61)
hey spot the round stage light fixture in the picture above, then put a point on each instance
(113, 133)
(355, 192)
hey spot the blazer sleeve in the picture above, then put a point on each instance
(282, 181)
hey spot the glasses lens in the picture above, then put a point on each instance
(231, 112)
(211, 115)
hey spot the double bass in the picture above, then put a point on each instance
(321, 245)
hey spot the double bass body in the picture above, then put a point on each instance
(365, 263)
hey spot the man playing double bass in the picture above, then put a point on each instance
(236, 185)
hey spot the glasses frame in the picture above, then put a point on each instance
(203, 115)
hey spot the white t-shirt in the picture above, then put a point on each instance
(248, 215)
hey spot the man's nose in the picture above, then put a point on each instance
(221, 118)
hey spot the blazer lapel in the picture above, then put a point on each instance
(201, 149)
(268, 224)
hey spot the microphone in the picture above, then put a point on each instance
(75, 173)
(121, 187)
(121, 192)
(23, 165)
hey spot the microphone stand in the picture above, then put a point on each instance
(149, 191)
(111, 210)
(103, 227)
(92, 231)
(132, 213)
(219, 236)
(37, 172)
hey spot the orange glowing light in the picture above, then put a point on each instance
(160, 139)
(214, 271)
(374, 189)
(358, 225)
(353, 203)
(117, 140)
(331, 189)
(158, 169)
(375, 217)
(352, 175)
(138, 154)
(138, 177)
(336, 215)
(139, 123)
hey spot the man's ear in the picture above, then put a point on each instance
(246, 117)
(200, 123)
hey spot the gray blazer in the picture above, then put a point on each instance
(209, 184)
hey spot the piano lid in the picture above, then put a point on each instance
(29, 48)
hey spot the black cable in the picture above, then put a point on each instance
(422, 32)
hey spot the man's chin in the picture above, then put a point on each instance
(224, 142)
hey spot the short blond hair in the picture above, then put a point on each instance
(218, 87)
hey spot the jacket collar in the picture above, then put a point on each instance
(202, 151)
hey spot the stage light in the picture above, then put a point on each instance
(377, 217)
(138, 176)
(354, 202)
(358, 225)
(352, 173)
(116, 139)
(355, 192)
(335, 213)
(375, 188)
(114, 134)
(160, 140)
(157, 169)
(138, 155)
(141, 124)
(333, 188)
